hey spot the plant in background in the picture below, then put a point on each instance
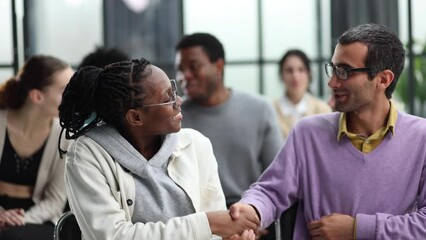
(420, 78)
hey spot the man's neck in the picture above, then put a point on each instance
(219, 97)
(368, 121)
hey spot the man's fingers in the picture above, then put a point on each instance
(234, 211)
(251, 225)
(314, 224)
(315, 232)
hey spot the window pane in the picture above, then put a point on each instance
(6, 39)
(242, 77)
(150, 32)
(65, 29)
(272, 85)
(232, 22)
(288, 25)
(5, 74)
(419, 31)
(402, 93)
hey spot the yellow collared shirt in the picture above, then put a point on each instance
(368, 144)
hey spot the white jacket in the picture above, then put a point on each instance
(49, 190)
(102, 194)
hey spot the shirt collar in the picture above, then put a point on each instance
(390, 125)
(288, 108)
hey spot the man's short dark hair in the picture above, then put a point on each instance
(385, 50)
(103, 56)
(210, 44)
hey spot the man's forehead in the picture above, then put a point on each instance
(353, 54)
(191, 53)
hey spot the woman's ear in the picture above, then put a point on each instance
(36, 96)
(134, 117)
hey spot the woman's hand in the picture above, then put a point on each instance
(12, 217)
(246, 235)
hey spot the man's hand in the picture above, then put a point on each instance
(334, 226)
(240, 209)
(12, 217)
(222, 224)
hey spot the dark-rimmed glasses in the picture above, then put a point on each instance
(172, 100)
(342, 72)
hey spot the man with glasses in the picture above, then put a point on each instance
(242, 128)
(359, 173)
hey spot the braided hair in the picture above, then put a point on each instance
(101, 95)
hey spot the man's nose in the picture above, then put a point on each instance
(333, 82)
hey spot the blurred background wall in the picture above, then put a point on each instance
(255, 34)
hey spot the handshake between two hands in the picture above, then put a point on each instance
(241, 222)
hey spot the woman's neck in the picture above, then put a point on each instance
(294, 98)
(28, 120)
(148, 146)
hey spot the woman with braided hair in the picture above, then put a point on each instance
(132, 172)
(32, 191)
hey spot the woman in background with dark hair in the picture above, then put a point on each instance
(132, 172)
(32, 192)
(297, 102)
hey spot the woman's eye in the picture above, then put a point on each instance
(170, 98)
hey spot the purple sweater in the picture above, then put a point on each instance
(384, 189)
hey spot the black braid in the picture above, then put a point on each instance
(109, 93)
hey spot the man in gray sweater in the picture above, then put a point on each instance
(242, 128)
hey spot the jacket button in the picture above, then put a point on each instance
(129, 202)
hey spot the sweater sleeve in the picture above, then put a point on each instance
(53, 200)
(216, 200)
(96, 203)
(278, 187)
(387, 226)
(49, 193)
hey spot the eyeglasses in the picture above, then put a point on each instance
(341, 72)
(172, 100)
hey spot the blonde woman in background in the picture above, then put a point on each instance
(297, 102)
(32, 191)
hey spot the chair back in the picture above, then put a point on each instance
(67, 228)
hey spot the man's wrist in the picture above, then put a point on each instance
(257, 212)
